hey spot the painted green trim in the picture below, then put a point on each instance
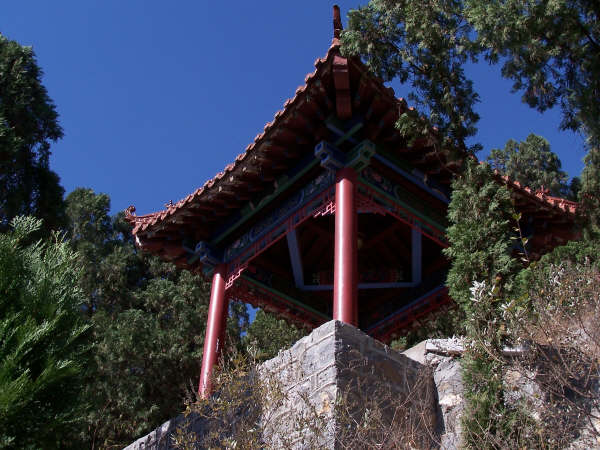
(419, 214)
(285, 296)
(265, 201)
(348, 134)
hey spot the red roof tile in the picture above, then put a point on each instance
(153, 221)
(143, 222)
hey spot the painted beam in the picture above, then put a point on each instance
(412, 178)
(427, 306)
(360, 156)
(289, 215)
(425, 297)
(385, 196)
(344, 130)
(285, 297)
(391, 190)
(206, 254)
(391, 285)
(295, 175)
(329, 156)
(295, 258)
(417, 255)
(333, 159)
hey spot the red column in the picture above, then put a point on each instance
(345, 282)
(215, 329)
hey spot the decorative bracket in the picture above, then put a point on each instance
(332, 158)
(206, 255)
(361, 155)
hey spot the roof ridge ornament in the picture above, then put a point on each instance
(337, 22)
(130, 212)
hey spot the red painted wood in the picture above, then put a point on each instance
(345, 281)
(215, 329)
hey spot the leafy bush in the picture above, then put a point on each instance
(43, 339)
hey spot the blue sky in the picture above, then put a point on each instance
(157, 97)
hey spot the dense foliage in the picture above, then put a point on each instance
(481, 245)
(534, 165)
(426, 47)
(267, 335)
(482, 224)
(148, 325)
(28, 125)
(44, 341)
(590, 193)
(550, 49)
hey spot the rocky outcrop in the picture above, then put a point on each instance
(329, 381)
(338, 374)
(340, 385)
(441, 356)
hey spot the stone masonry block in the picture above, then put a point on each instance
(331, 380)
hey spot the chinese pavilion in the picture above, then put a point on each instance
(329, 213)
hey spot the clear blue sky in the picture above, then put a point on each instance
(156, 97)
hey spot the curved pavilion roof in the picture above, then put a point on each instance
(338, 87)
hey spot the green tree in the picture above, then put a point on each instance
(425, 44)
(550, 49)
(590, 194)
(148, 355)
(43, 340)
(90, 232)
(148, 323)
(267, 335)
(481, 241)
(531, 163)
(483, 269)
(28, 125)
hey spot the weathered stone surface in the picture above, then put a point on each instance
(441, 355)
(306, 377)
(160, 438)
(332, 376)
(327, 380)
(448, 381)
(448, 347)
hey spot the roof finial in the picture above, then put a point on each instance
(337, 22)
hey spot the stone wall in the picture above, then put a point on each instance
(328, 381)
(340, 385)
(333, 376)
(160, 438)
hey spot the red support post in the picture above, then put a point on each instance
(345, 281)
(215, 329)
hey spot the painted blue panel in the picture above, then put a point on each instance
(417, 257)
(295, 258)
(329, 287)
(277, 218)
(412, 178)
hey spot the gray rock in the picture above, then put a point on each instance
(334, 377)
(329, 381)
(335, 383)
(450, 391)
